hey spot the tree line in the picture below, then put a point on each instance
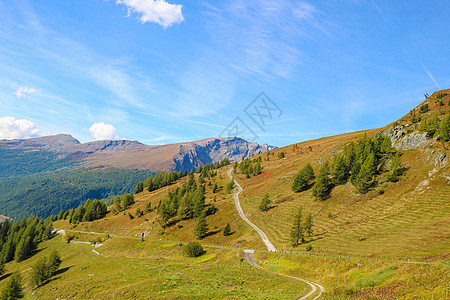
(19, 239)
(186, 202)
(359, 162)
(249, 166)
(89, 211)
(436, 127)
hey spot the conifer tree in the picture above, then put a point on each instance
(201, 228)
(39, 272)
(364, 180)
(185, 207)
(297, 229)
(395, 168)
(23, 248)
(322, 186)
(265, 203)
(13, 288)
(139, 187)
(2, 267)
(227, 230)
(340, 172)
(303, 178)
(54, 261)
(444, 129)
(308, 225)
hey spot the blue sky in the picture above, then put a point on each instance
(172, 71)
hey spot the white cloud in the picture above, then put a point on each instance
(10, 128)
(22, 91)
(155, 11)
(103, 131)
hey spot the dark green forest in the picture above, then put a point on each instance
(39, 182)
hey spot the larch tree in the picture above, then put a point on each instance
(297, 229)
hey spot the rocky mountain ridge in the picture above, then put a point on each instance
(128, 154)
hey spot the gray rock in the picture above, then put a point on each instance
(410, 141)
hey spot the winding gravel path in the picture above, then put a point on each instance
(264, 238)
(248, 254)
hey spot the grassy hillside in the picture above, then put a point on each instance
(394, 240)
(131, 269)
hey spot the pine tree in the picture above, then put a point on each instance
(201, 228)
(265, 203)
(257, 169)
(13, 288)
(395, 168)
(303, 178)
(139, 187)
(340, 172)
(185, 207)
(2, 267)
(8, 249)
(297, 229)
(364, 180)
(23, 248)
(39, 272)
(198, 200)
(308, 225)
(444, 129)
(227, 230)
(54, 261)
(322, 186)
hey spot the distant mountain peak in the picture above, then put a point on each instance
(51, 141)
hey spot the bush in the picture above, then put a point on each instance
(308, 247)
(424, 108)
(193, 249)
(68, 237)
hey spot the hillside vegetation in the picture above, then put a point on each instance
(379, 212)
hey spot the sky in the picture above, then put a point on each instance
(167, 71)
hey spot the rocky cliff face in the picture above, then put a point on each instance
(191, 156)
(402, 141)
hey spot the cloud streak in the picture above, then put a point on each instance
(23, 91)
(431, 77)
(155, 11)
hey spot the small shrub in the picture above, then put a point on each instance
(308, 247)
(381, 192)
(211, 210)
(193, 249)
(424, 108)
(68, 237)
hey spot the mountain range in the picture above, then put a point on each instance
(46, 174)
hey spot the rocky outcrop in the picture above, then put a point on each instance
(401, 140)
(202, 152)
(110, 146)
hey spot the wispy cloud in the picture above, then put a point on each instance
(251, 41)
(431, 76)
(380, 11)
(154, 11)
(23, 91)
